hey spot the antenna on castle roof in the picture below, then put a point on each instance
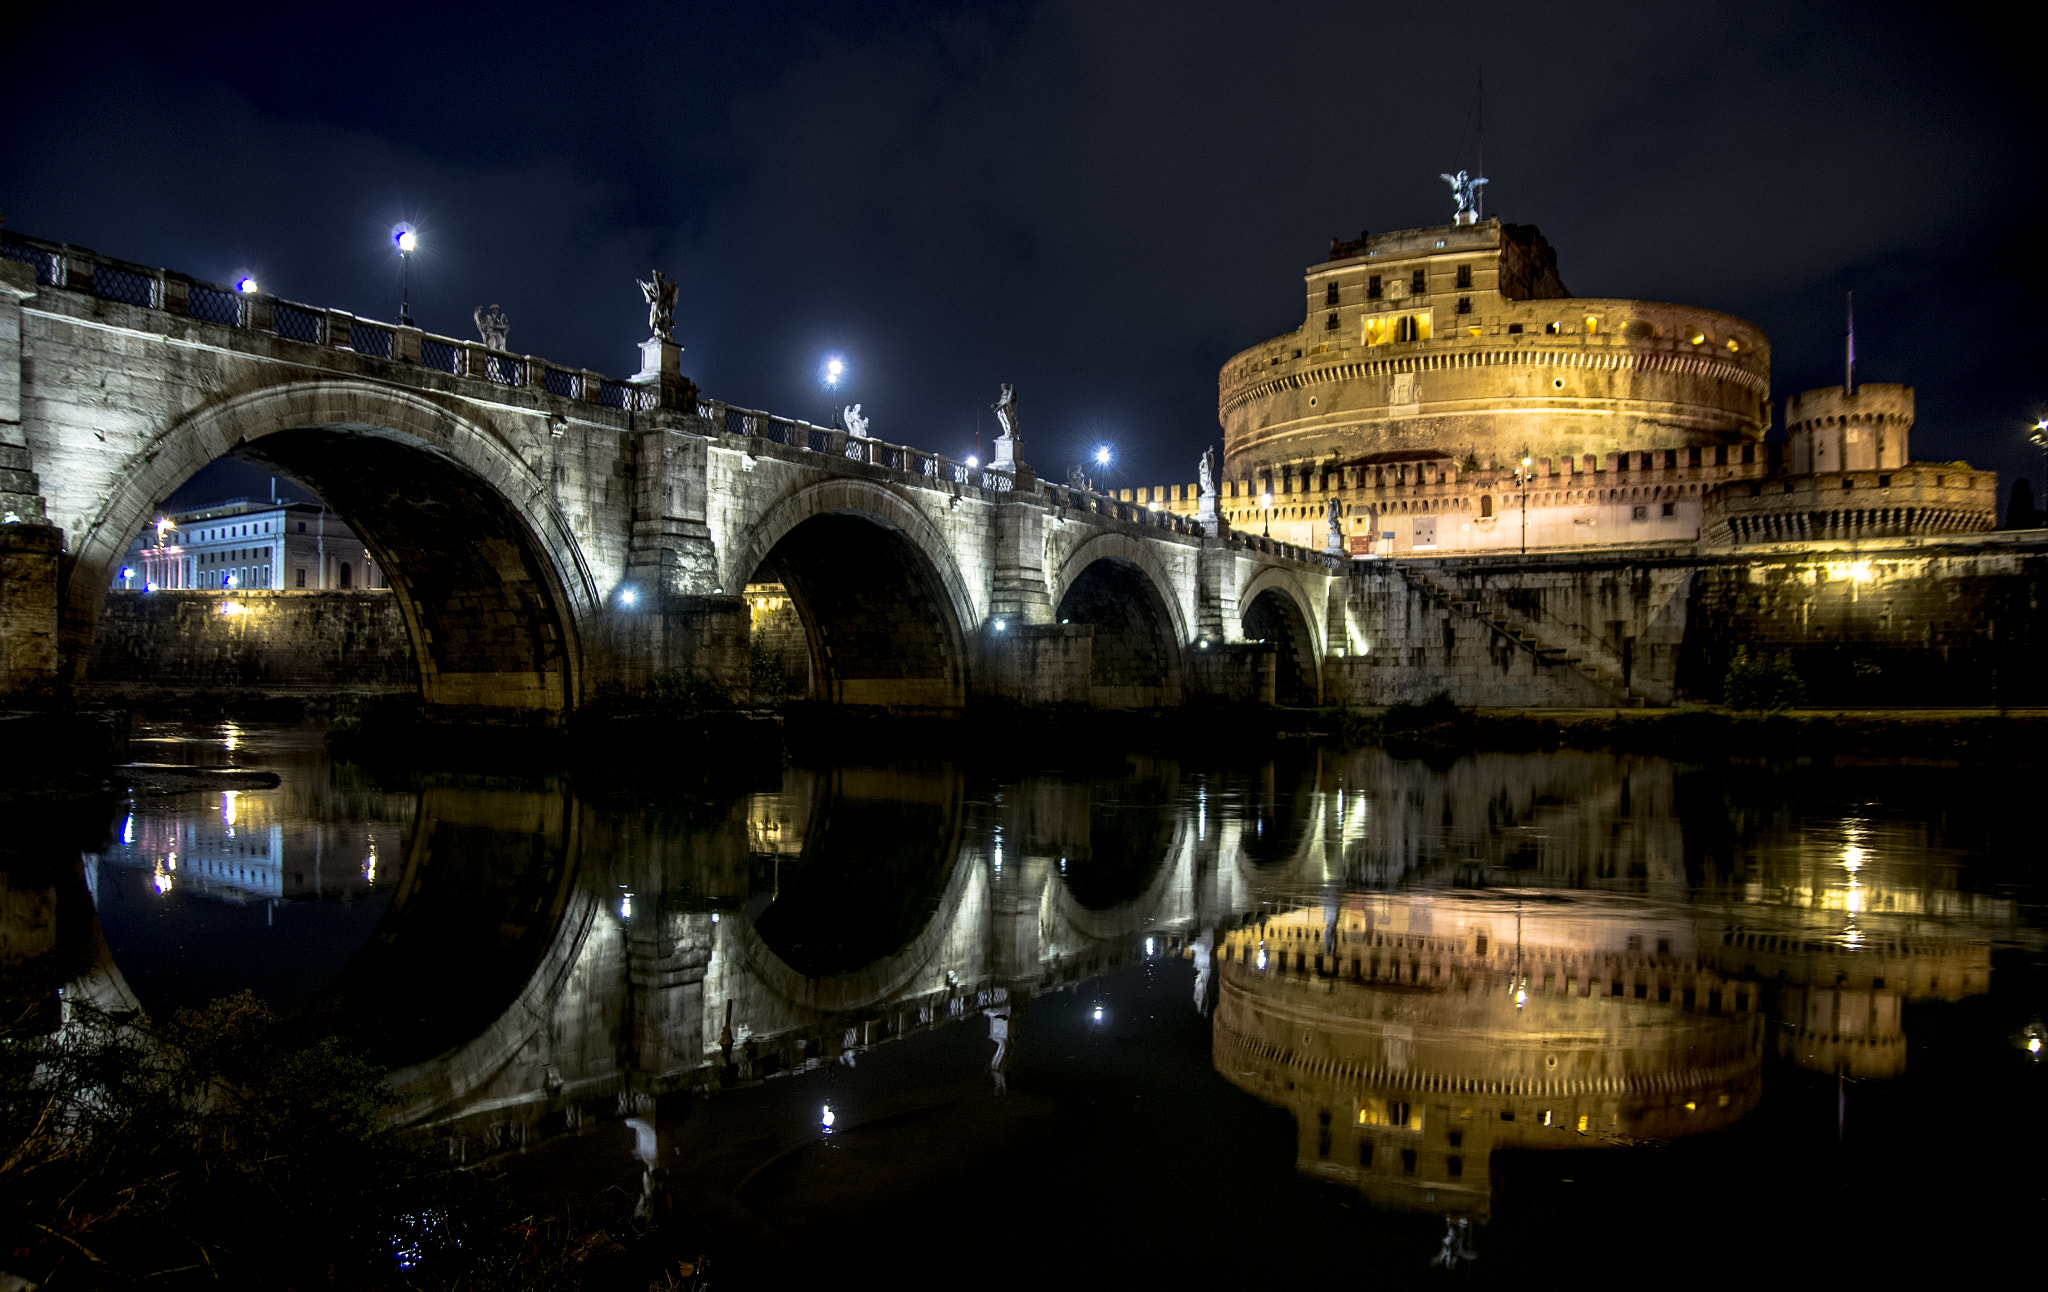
(1478, 198)
(1849, 352)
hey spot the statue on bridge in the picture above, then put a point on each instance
(1207, 468)
(1205, 505)
(1335, 519)
(1006, 416)
(661, 306)
(493, 326)
(856, 425)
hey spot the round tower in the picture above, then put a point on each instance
(1831, 429)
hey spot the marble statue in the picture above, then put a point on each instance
(661, 306)
(1208, 472)
(856, 425)
(494, 327)
(1006, 411)
(1465, 190)
(1335, 516)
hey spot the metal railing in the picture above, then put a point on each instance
(297, 323)
(371, 339)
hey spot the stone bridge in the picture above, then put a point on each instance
(550, 531)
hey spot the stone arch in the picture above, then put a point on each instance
(1277, 593)
(1118, 584)
(864, 649)
(498, 605)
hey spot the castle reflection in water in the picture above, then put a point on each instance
(1424, 965)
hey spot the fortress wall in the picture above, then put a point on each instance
(1959, 621)
(287, 641)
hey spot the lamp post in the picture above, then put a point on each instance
(1266, 501)
(2039, 439)
(407, 241)
(1522, 482)
(835, 368)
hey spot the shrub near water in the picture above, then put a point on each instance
(1760, 682)
(198, 1151)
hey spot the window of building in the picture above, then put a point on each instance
(1418, 282)
(1365, 1152)
(346, 573)
(1404, 328)
(1456, 1139)
(1330, 324)
(1514, 329)
(1456, 1167)
(302, 527)
(1464, 305)
(1407, 1161)
(1464, 275)
(1373, 290)
(1670, 509)
(1485, 510)
(1639, 513)
(1330, 294)
(1552, 328)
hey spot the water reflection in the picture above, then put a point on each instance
(1424, 966)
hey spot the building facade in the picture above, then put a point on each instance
(1446, 393)
(249, 544)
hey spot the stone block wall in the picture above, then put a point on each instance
(29, 651)
(1038, 664)
(1939, 623)
(285, 641)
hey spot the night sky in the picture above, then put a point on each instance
(1097, 201)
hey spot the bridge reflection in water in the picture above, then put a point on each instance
(1422, 965)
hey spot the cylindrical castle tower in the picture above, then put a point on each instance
(1832, 429)
(1462, 342)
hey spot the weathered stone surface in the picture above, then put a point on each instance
(277, 641)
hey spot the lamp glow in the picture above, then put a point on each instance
(246, 285)
(1002, 625)
(973, 462)
(1104, 455)
(405, 239)
(627, 597)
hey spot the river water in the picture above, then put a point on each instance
(1318, 1014)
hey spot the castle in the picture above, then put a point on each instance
(1446, 393)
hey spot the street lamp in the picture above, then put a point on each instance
(407, 240)
(2039, 439)
(1522, 474)
(1266, 501)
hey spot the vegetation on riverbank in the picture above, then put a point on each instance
(203, 1151)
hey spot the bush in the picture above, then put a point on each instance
(1760, 682)
(200, 1151)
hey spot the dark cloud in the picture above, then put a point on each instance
(1100, 202)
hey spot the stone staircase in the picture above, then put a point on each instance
(1524, 635)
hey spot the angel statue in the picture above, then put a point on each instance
(1208, 470)
(1006, 411)
(856, 425)
(492, 324)
(1466, 190)
(661, 306)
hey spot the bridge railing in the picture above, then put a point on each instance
(1102, 504)
(81, 270)
(833, 442)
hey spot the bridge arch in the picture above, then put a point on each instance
(1118, 584)
(883, 604)
(494, 589)
(1276, 608)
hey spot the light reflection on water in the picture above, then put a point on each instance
(1424, 966)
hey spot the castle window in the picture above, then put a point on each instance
(1330, 324)
(1670, 509)
(1455, 1166)
(1372, 288)
(1404, 328)
(1639, 513)
(1485, 510)
(1464, 275)
(1407, 1161)
(1365, 1152)
(1464, 305)
(1330, 294)
(1884, 482)
(1418, 282)
(1514, 329)
(1552, 328)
